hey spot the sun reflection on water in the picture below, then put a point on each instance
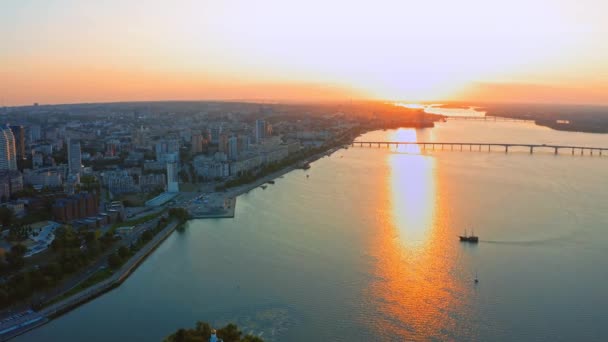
(414, 290)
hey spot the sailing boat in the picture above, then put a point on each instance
(469, 238)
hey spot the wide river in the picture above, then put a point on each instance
(366, 249)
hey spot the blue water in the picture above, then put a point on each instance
(366, 249)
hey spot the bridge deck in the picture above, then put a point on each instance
(506, 146)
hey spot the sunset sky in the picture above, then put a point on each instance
(60, 51)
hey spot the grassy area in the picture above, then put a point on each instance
(135, 222)
(95, 278)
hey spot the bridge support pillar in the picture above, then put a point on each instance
(489, 148)
(531, 149)
(573, 151)
(470, 147)
(556, 150)
(506, 148)
(591, 152)
(452, 147)
(479, 148)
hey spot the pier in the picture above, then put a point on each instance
(487, 147)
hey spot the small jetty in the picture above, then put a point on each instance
(469, 238)
(304, 166)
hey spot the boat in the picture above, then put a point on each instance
(469, 238)
(476, 279)
(263, 187)
(307, 176)
(270, 182)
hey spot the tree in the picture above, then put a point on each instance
(7, 216)
(202, 333)
(15, 256)
(114, 260)
(123, 252)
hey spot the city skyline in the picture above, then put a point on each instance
(70, 52)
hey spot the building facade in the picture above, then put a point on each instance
(74, 157)
(8, 152)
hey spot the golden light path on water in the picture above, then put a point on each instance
(414, 264)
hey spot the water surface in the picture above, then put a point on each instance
(366, 249)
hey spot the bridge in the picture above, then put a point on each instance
(484, 146)
(486, 118)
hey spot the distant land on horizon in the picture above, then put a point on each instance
(565, 117)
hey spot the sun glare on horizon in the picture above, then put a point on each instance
(62, 51)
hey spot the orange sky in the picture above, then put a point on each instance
(517, 51)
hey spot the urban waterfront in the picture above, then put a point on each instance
(366, 248)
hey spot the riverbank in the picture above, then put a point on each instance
(229, 196)
(242, 189)
(31, 320)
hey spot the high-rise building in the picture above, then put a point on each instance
(74, 157)
(166, 147)
(243, 143)
(233, 148)
(197, 143)
(260, 131)
(35, 133)
(172, 178)
(214, 134)
(8, 155)
(19, 134)
(222, 144)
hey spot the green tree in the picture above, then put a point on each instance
(114, 260)
(123, 252)
(202, 333)
(15, 256)
(7, 216)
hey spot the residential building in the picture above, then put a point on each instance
(197, 143)
(172, 177)
(232, 148)
(8, 154)
(19, 134)
(11, 181)
(74, 156)
(259, 131)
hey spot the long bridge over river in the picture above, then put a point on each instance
(486, 118)
(485, 146)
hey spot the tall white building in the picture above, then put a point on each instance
(8, 152)
(172, 178)
(74, 157)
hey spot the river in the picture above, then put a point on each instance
(366, 249)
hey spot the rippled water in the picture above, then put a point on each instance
(366, 249)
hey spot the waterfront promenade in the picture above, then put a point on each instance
(232, 193)
(30, 319)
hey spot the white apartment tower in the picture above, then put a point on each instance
(172, 177)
